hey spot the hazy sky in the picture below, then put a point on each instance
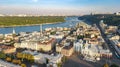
(58, 6)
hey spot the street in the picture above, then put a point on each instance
(77, 60)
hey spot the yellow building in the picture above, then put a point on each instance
(59, 47)
(46, 46)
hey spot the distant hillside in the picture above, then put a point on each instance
(109, 19)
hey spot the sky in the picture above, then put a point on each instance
(51, 7)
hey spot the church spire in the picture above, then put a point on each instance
(14, 31)
(41, 29)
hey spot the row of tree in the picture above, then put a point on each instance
(23, 56)
(11, 58)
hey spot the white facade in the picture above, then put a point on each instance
(78, 46)
(117, 13)
(57, 36)
(28, 45)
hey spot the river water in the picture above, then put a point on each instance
(69, 22)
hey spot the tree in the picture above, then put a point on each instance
(25, 56)
(119, 27)
(2, 55)
(8, 59)
(11, 56)
(47, 60)
(64, 58)
(23, 65)
(59, 64)
(106, 65)
(53, 33)
(80, 37)
(16, 61)
(19, 55)
(87, 36)
(41, 50)
(114, 65)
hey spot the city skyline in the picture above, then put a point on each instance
(51, 7)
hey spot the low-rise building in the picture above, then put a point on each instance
(28, 45)
(67, 50)
(46, 46)
(111, 29)
(117, 13)
(37, 45)
(91, 51)
(116, 37)
(59, 47)
(7, 49)
(93, 41)
(78, 46)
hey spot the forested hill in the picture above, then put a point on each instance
(109, 19)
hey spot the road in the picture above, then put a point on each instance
(77, 60)
(114, 58)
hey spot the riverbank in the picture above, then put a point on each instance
(29, 21)
(36, 27)
(29, 25)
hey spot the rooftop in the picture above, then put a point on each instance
(68, 47)
(6, 47)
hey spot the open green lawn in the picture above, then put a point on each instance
(18, 21)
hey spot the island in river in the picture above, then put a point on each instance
(9, 21)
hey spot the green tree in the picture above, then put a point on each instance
(80, 37)
(59, 64)
(47, 60)
(28, 57)
(53, 33)
(64, 58)
(41, 50)
(23, 65)
(2, 55)
(8, 59)
(118, 27)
